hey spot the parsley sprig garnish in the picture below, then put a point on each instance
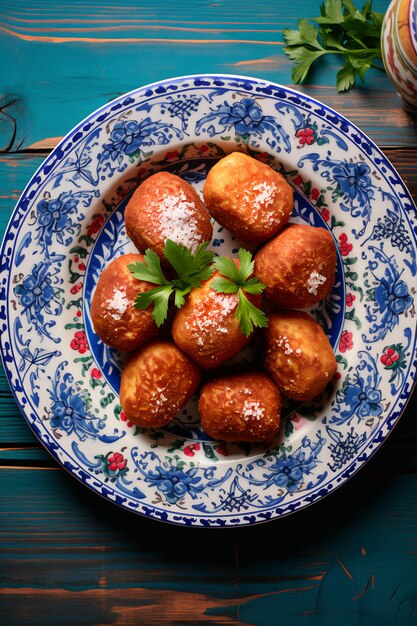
(344, 30)
(190, 270)
(235, 279)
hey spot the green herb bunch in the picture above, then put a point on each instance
(190, 270)
(344, 30)
(238, 280)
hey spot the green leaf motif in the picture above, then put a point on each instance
(350, 315)
(341, 359)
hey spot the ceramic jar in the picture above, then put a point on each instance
(399, 49)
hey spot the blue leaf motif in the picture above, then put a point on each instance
(391, 225)
(70, 410)
(388, 296)
(360, 393)
(129, 137)
(352, 185)
(247, 119)
(38, 298)
(173, 479)
(55, 222)
(287, 470)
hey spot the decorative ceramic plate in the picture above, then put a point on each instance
(68, 225)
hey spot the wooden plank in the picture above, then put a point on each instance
(98, 51)
(71, 557)
(24, 456)
(15, 172)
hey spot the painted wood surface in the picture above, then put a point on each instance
(69, 557)
(69, 60)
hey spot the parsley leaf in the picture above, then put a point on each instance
(249, 315)
(189, 267)
(149, 270)
(343, 30)
(227, 267)
(235, 279)
(159, 298)
(190, 270)
(224, 285)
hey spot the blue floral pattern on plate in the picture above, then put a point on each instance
(68, 224)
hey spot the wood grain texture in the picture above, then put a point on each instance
(69, 553)
(71, 557)
(82, 57)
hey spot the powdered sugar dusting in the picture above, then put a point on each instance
(118, 303)
(178, 221)
(158, 401)
(265, 194)
(314, 281)
(253, 409)
(260, 197)
(212, 312)
(283, 342)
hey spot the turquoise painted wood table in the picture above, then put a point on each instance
(70, 557)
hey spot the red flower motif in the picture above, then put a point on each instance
(82, 267)
(344, 246)
(79, 342)
(116, 462)
(314, 193)
(305, 136)
(346, 342)
(172, 155)
(325, 213)
(297, 421)
(95, 225)
(123, 417)
(389, 357)
(350, 299)
(262, 156)
(95, 373)
(221, 449)
(76, 288)
(189, 450)
(297, 180)
(121, 192)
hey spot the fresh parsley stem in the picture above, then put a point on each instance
(359, 42)
(348, 51)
